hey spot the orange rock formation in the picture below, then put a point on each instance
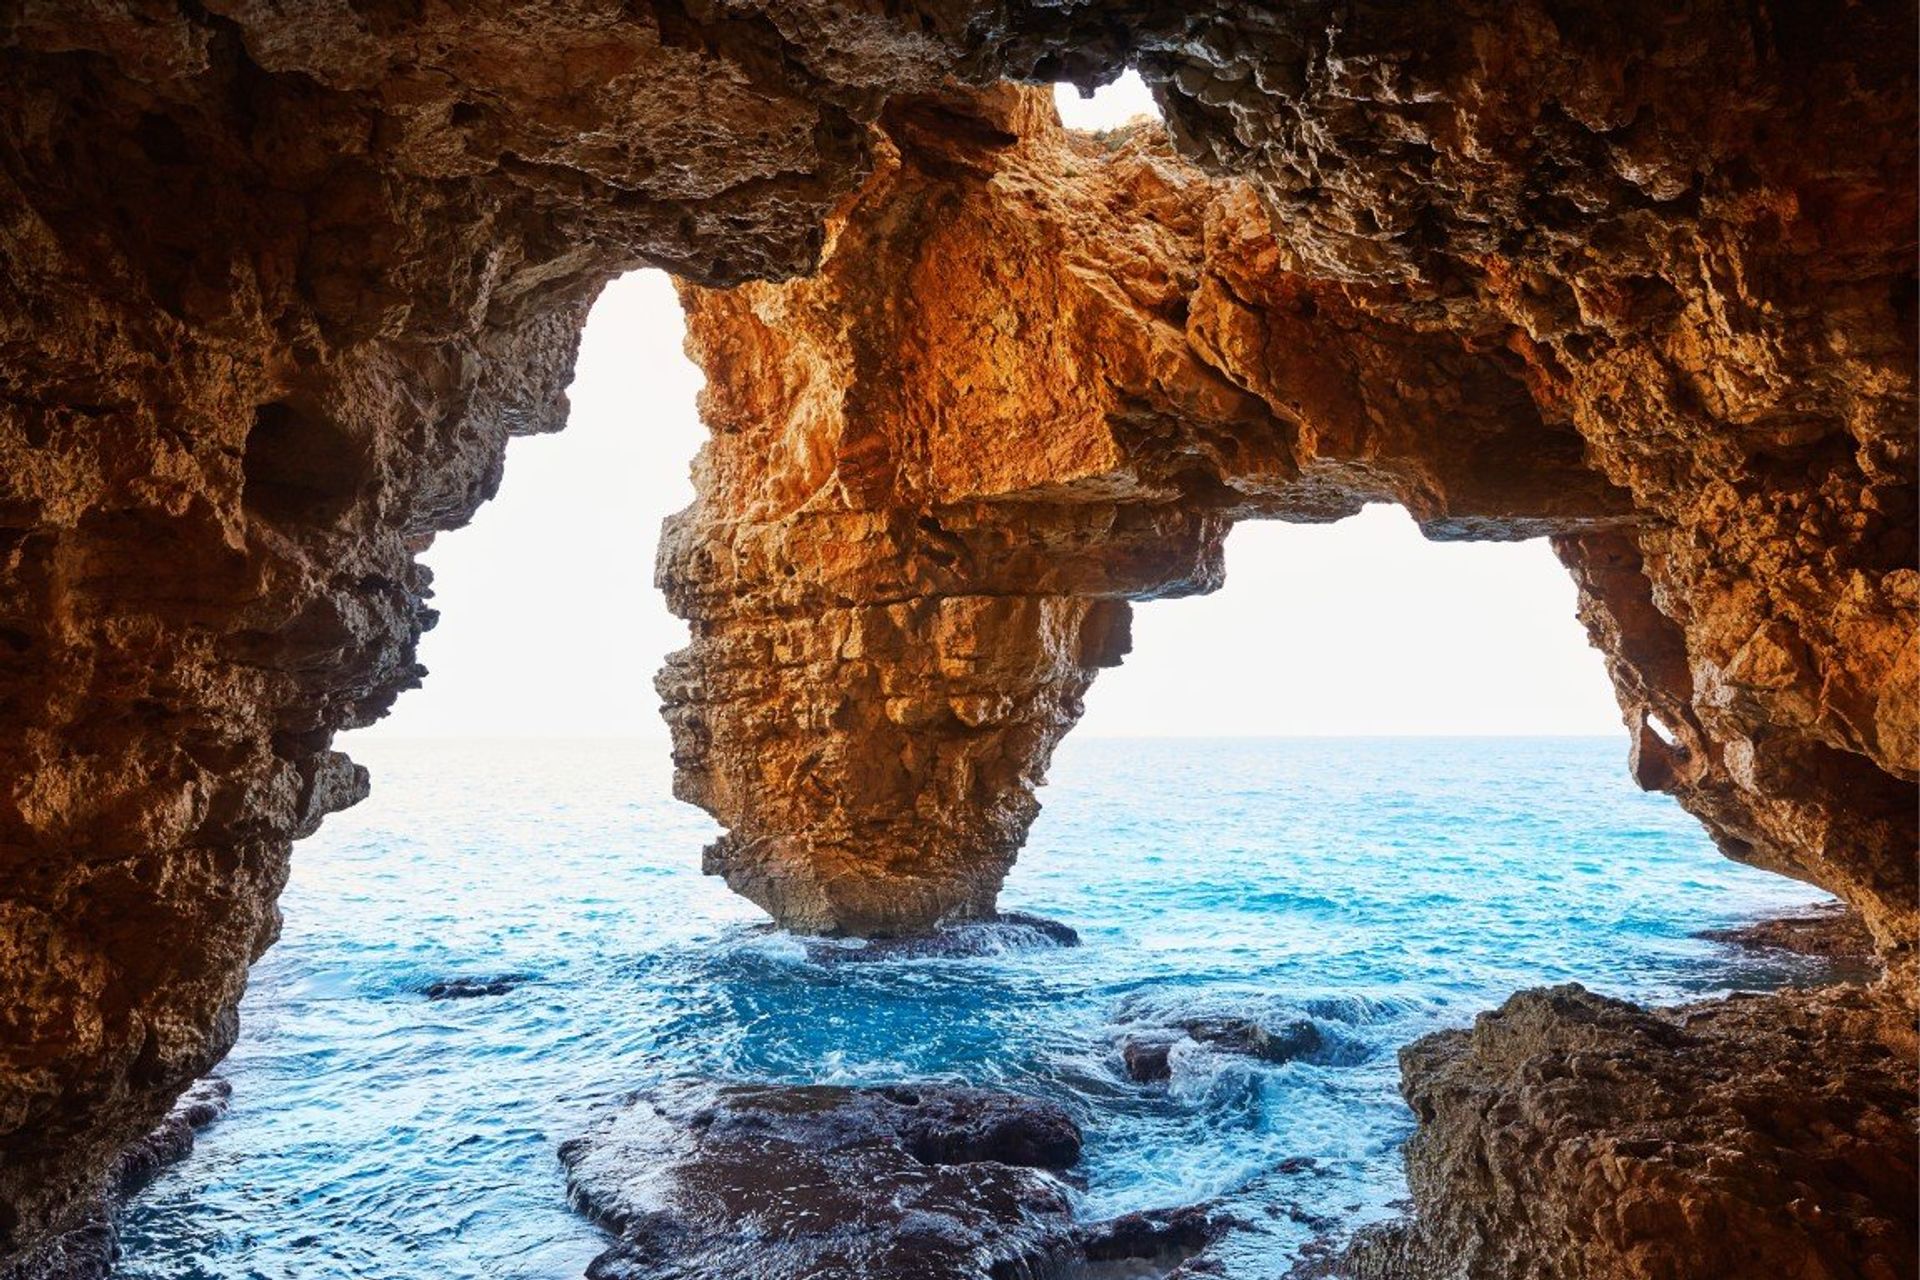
(277, 283)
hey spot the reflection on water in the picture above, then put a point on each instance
(1382, 888)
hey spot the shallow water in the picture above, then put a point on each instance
(1384, 888)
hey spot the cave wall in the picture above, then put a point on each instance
(1038, 375)
(279, 283)
(275, 290)
(1527, 285)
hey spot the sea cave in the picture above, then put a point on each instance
(282, 282)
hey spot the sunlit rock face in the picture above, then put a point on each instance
(1038, 374)
(280, 281)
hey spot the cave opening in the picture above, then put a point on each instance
(552, 625)
(513, 929)
(283, 281)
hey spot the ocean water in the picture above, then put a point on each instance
(1384, 888)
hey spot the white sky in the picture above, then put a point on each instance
(551, 626)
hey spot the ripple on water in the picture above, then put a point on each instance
(1380, 889)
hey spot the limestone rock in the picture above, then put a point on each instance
(1040, 374)
(277, 283)
(1037, 375)
(920, 1182)
(1579, 1138)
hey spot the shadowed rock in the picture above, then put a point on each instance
(1147, 1055)
(90, 1250)
(468, 988)
(998, 934)
(926, 1182)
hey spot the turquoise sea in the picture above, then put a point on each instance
(1383, 888)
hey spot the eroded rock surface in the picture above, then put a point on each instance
(1039, 375)
(277, 283)
(921, 1182)
(89, 1250)
(1575, 1137)
(1828, 931)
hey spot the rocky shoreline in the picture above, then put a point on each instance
(707, 1181)
(90, 1250)
(1569, 1136)
(1828, 931)
(1565, 1136)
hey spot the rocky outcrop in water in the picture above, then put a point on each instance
(1829, 932)
(472, 988)
(89, 1250)
(920, 1182)
(1572, 1137)
(277, 283)
(1147, 1055)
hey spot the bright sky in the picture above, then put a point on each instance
(550, 625)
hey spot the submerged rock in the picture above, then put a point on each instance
(995, 935)
(1148, 1055)
(468, 988)
(704, 1181)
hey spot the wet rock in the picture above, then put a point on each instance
(998, 934)
(89, 1250)
(1168, 1242)
(1147, 1055)
(1283, 1043)
(704, 1181)
(1570, 1135)
(468, 988)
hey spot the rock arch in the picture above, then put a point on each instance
(1039, 374)
(1662, 261)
